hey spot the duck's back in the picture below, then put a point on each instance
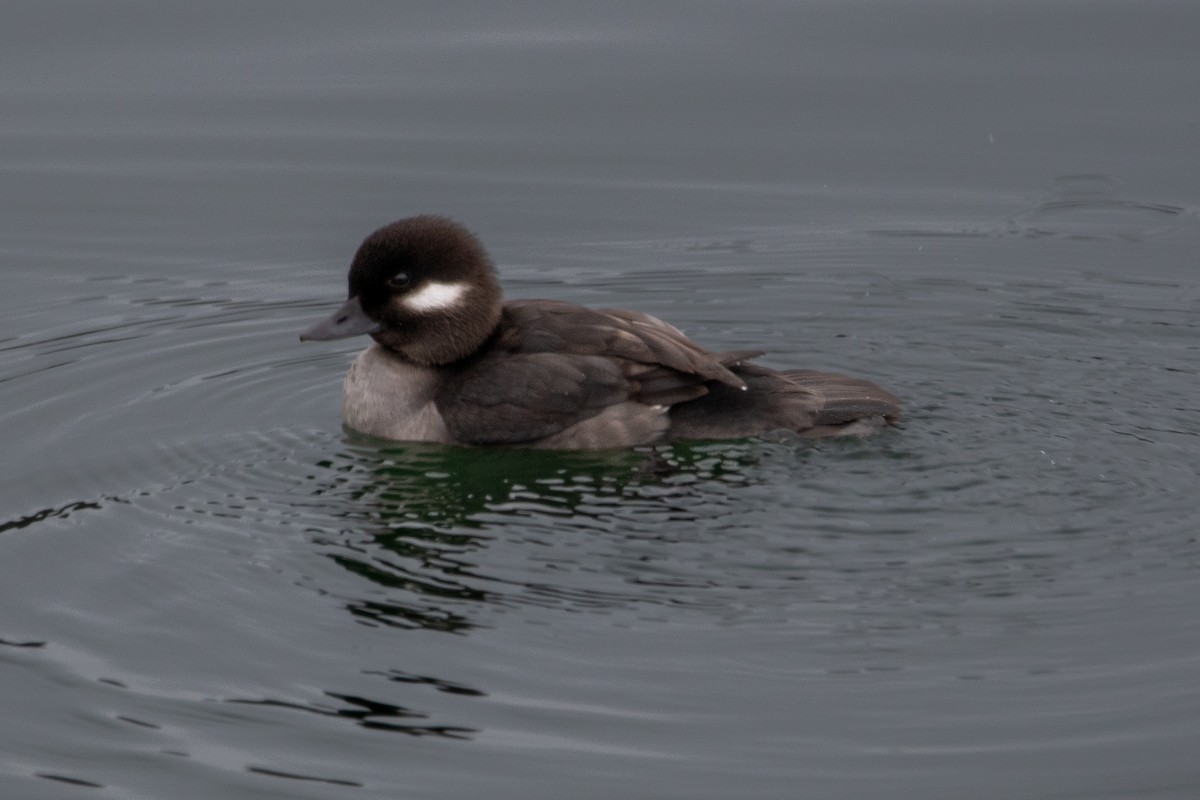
(559, 375)
(563, 376)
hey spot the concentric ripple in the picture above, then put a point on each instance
(223, 557)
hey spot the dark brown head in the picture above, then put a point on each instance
(423, 287)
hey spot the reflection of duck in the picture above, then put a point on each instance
(418, 517)
(453, 364)
(417, 520)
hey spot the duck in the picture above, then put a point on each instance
(452, 362)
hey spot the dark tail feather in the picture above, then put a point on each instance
(844, 399)
(813, 404)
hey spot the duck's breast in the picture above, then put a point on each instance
(388, 397)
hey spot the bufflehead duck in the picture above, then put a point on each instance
(452, 362)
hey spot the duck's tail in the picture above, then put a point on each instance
(845, 406)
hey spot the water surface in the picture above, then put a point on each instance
(211, 589)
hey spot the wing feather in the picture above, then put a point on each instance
(553, 365)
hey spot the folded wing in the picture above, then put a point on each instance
(554, 366)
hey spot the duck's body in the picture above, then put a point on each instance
(452, 363)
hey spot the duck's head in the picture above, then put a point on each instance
(423, 287)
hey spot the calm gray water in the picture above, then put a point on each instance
(209, 589)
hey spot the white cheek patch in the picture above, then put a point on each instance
(435, 296)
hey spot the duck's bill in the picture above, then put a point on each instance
(349, 320)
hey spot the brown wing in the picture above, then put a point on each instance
(539, 326)
(553, 365)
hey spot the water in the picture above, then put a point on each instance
(210, 589)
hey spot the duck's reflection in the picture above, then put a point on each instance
(415, 517)
(446, 537)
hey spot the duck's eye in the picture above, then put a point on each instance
(399, 281)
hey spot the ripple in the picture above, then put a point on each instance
(371, 714)
(1087, 207)
(230, 452)
(1079, 207)
(451, 540)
